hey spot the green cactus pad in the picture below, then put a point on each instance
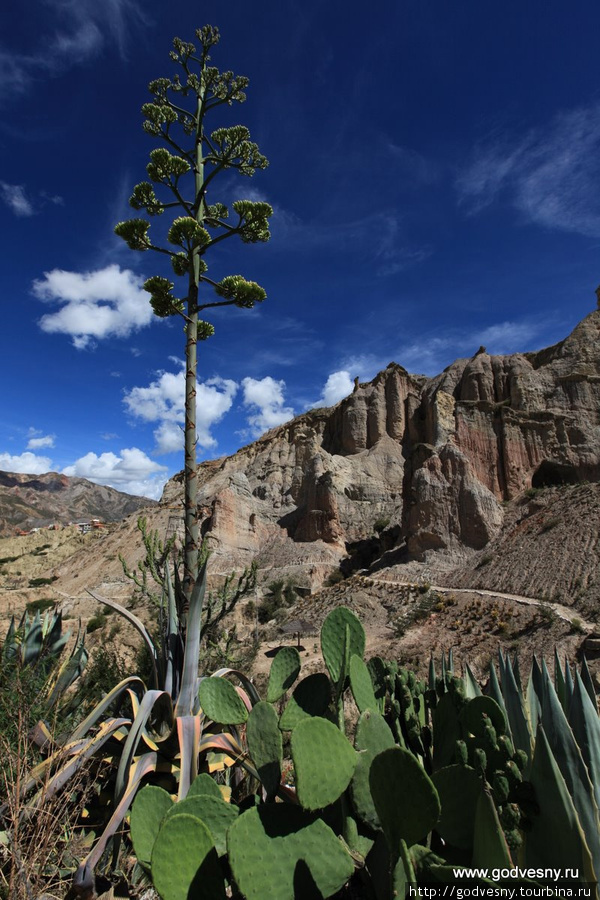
(284, 671)
(185, 862)
(149, 809)
(310, 698)
(204, 784)
(279, 852)
(480, 711)
(373, 735)
(405, 798)
(221, 702)
(216, 814)
(333, 641)
(266, 745)
(459, 788)
(361, 684)
(324, 762)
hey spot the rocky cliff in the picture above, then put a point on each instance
(426, 461)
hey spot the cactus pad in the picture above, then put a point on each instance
(334, 646)
(216, 814)
(279, 852)
(480, 711)
(203, 784)
(150, 807)
(361, 684)
(459, 788)
(373, 735)
(184, 861)
(284, 671)
(324, 762)
(310, 698)
(266, 745)
(405, 798)
(221, 702)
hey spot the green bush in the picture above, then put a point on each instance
(40, 605)
(380, 525)
(40, 582)
(96, 622)
(334, 578)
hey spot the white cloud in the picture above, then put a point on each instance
(38, 443)
(551, 176)
(105, 303)
(14, 197)
(26, 463)
(265, 395)
(163, 401)
(337, 386)
(131, 472)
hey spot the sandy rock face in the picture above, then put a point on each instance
(433, 456)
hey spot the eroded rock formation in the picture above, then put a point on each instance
(434, 457)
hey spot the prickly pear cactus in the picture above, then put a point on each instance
(216, 814)
(405, 798)
(373, 735)
(203, 784)
(149, 809)
(311, 697)
(459, 788)
(279, 852)
(342, 636)
(265, 745)
(284, 671)
(221, 702)
(324, 762)
(185, 862)
(361, 685)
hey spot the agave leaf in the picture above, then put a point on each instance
(91, 746)
(451, 661)
(556, 832)
(31, 646)
(570, 762)
(70, 670)
(98, 711)
(431, 673)
(9, 646)
(494, 689)
(583, 719)
(173, 643)
(559, 683)
(187, 701)
(514, 705)
(533, 701)
(150, 701)
(490, 847)
(569, 686)
(587, 682)
(189, 730)
(137, 624)
(144, 765)
(472, 688)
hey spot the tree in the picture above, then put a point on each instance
(183, 170)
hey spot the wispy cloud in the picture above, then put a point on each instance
(550, 175)
(81, 30)
(13, 195)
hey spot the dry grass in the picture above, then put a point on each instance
(40, 841)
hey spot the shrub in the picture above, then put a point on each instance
(96, 622)
(334, 578)
(380, 525)
(577, 626)
(40, 582)
(40, 605)
(549, 524)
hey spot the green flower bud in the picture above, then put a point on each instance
(186, 232)
(134, 233)
(205, 330)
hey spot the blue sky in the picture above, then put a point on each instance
(435, 176)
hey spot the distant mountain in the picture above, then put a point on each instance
(35, 501)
